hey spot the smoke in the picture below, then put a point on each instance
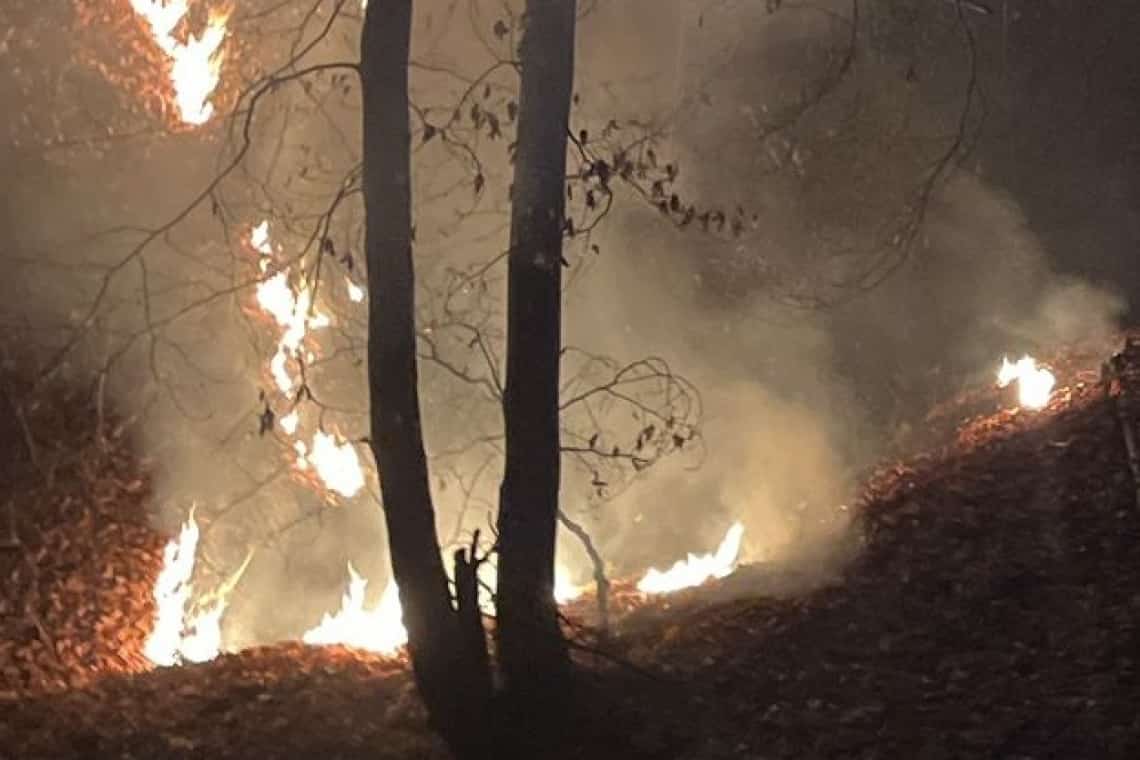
(759, 110)
(799, 402)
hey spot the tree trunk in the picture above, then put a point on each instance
(451, 675)
(532, 652)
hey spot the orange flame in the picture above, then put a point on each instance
(564, 590)
(180, 634)
(380, 629)
(696, 568)
(293, 312)
(195, 65)
(337, 464)
(1034, 384)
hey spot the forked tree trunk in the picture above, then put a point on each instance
(532, 652)
(448, 655)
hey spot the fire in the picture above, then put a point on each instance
(564, 590)
(380, 629)
(697, 568)
(337, 464)
(1034, 384)
(259, 238)
(195, 65)
(289, 422)
(293, 312)
(203, 639)
(177, 635)
(355, 292)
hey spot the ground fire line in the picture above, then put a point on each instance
(930, 532)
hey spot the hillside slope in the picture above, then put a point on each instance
(991, 612)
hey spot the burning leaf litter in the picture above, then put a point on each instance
(378, 630)
(916, 645)
(186, 629)
(1034, 383)
(334, 461)
(195, 65)
(337, 464)
(696, 568)
(381, 628)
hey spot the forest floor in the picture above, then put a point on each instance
(991, 611)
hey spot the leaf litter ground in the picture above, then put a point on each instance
(990, 610)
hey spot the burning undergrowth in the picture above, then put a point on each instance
(92, 589)
(87, 537)
(168, 54)
(990, 612)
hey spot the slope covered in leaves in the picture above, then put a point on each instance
(78, 558)
(990, 611)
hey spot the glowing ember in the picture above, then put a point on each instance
(1034, 384)
(697, 568)
(378, 630)
(195, 65)
(336, 464)
(175, 638)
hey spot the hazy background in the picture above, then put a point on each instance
(820, 136)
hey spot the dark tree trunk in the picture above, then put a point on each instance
(532, 652)
(448, 654)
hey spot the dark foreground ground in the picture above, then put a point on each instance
(991, 612)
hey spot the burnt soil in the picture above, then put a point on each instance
(990, 611)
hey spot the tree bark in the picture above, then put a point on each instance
(532, 652)
(452, 677)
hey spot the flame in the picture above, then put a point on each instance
(697, 568)
(337, 464)
(289, 422)
(293, 312)
(179, 636)
(195, 66)
(203, 639)
(380, 629)
(276, 297)
(259, 238)
(355, 292)
(564, 590)
(1034, 384)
